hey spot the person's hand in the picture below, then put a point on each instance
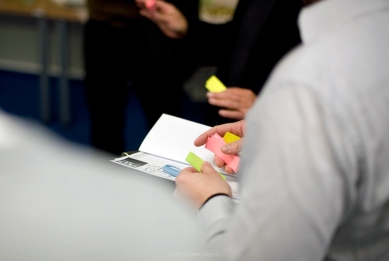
(141, 3)
(233, 148)
(235, 102)
(166, 16)
(196, 188)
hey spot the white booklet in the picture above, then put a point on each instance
(168, 143)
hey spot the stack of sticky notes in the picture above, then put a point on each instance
(213, 84)
(214, 143)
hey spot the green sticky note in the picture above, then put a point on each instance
(213, 84)
(196, 162)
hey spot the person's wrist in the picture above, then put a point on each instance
(211, 197)
(183, 29)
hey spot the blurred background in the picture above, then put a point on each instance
(41, 70)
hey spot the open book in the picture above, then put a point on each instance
(168, 143)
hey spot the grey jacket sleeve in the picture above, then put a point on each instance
(294, 187)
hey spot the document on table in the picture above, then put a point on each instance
(168, 143)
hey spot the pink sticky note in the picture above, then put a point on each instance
(214, 143)
(234, 164)
(150, 4)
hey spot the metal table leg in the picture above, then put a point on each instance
(65, 116)
(44, 77)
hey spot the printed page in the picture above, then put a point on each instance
(149, 164)
(172, 138)
(152, 165)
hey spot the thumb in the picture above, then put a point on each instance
(232, 148)
(162, 7)
(206, 167)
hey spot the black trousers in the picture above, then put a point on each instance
(136, 56)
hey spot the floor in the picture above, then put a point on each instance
(19, 95)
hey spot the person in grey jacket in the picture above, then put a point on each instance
(314, 174)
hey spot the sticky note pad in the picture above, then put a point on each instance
(196, 162)
(229, 137)
(214, 143)
(213, 84)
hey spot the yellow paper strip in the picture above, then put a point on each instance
(213, 84)
(229, 137)
(196, 162)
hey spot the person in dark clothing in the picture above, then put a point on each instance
(244, 50)
(122, 49)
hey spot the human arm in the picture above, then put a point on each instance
(235, 102)
(207, 42)
(294, 191)
(233, 148)
(196, 189)
(167, 17)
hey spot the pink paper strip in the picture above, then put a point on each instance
(214, 143)
(150, 4)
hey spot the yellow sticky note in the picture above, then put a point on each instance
(213, 84)
(229, 137)
(196, 162)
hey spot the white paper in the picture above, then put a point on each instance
(168, 143)
(152, 165)
(172, 138)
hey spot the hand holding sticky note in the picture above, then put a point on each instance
(213, 84)
(196, 162)
(214, 144)
(150, 4)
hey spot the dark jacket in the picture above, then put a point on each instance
(246, 49)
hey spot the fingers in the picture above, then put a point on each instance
(160, 12)
(229, 170)
(233, 147)
(206, 167)
(219, 184)
(202, 139)
(157, 14)
(231, 102)
(197, 187)
(218, 162)
(232, 114)
(233, 98)
(221, 164)
(168, 18)
(236, 128)
(182, 179)
(188, 170)
(140, 3)
(224, 100)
